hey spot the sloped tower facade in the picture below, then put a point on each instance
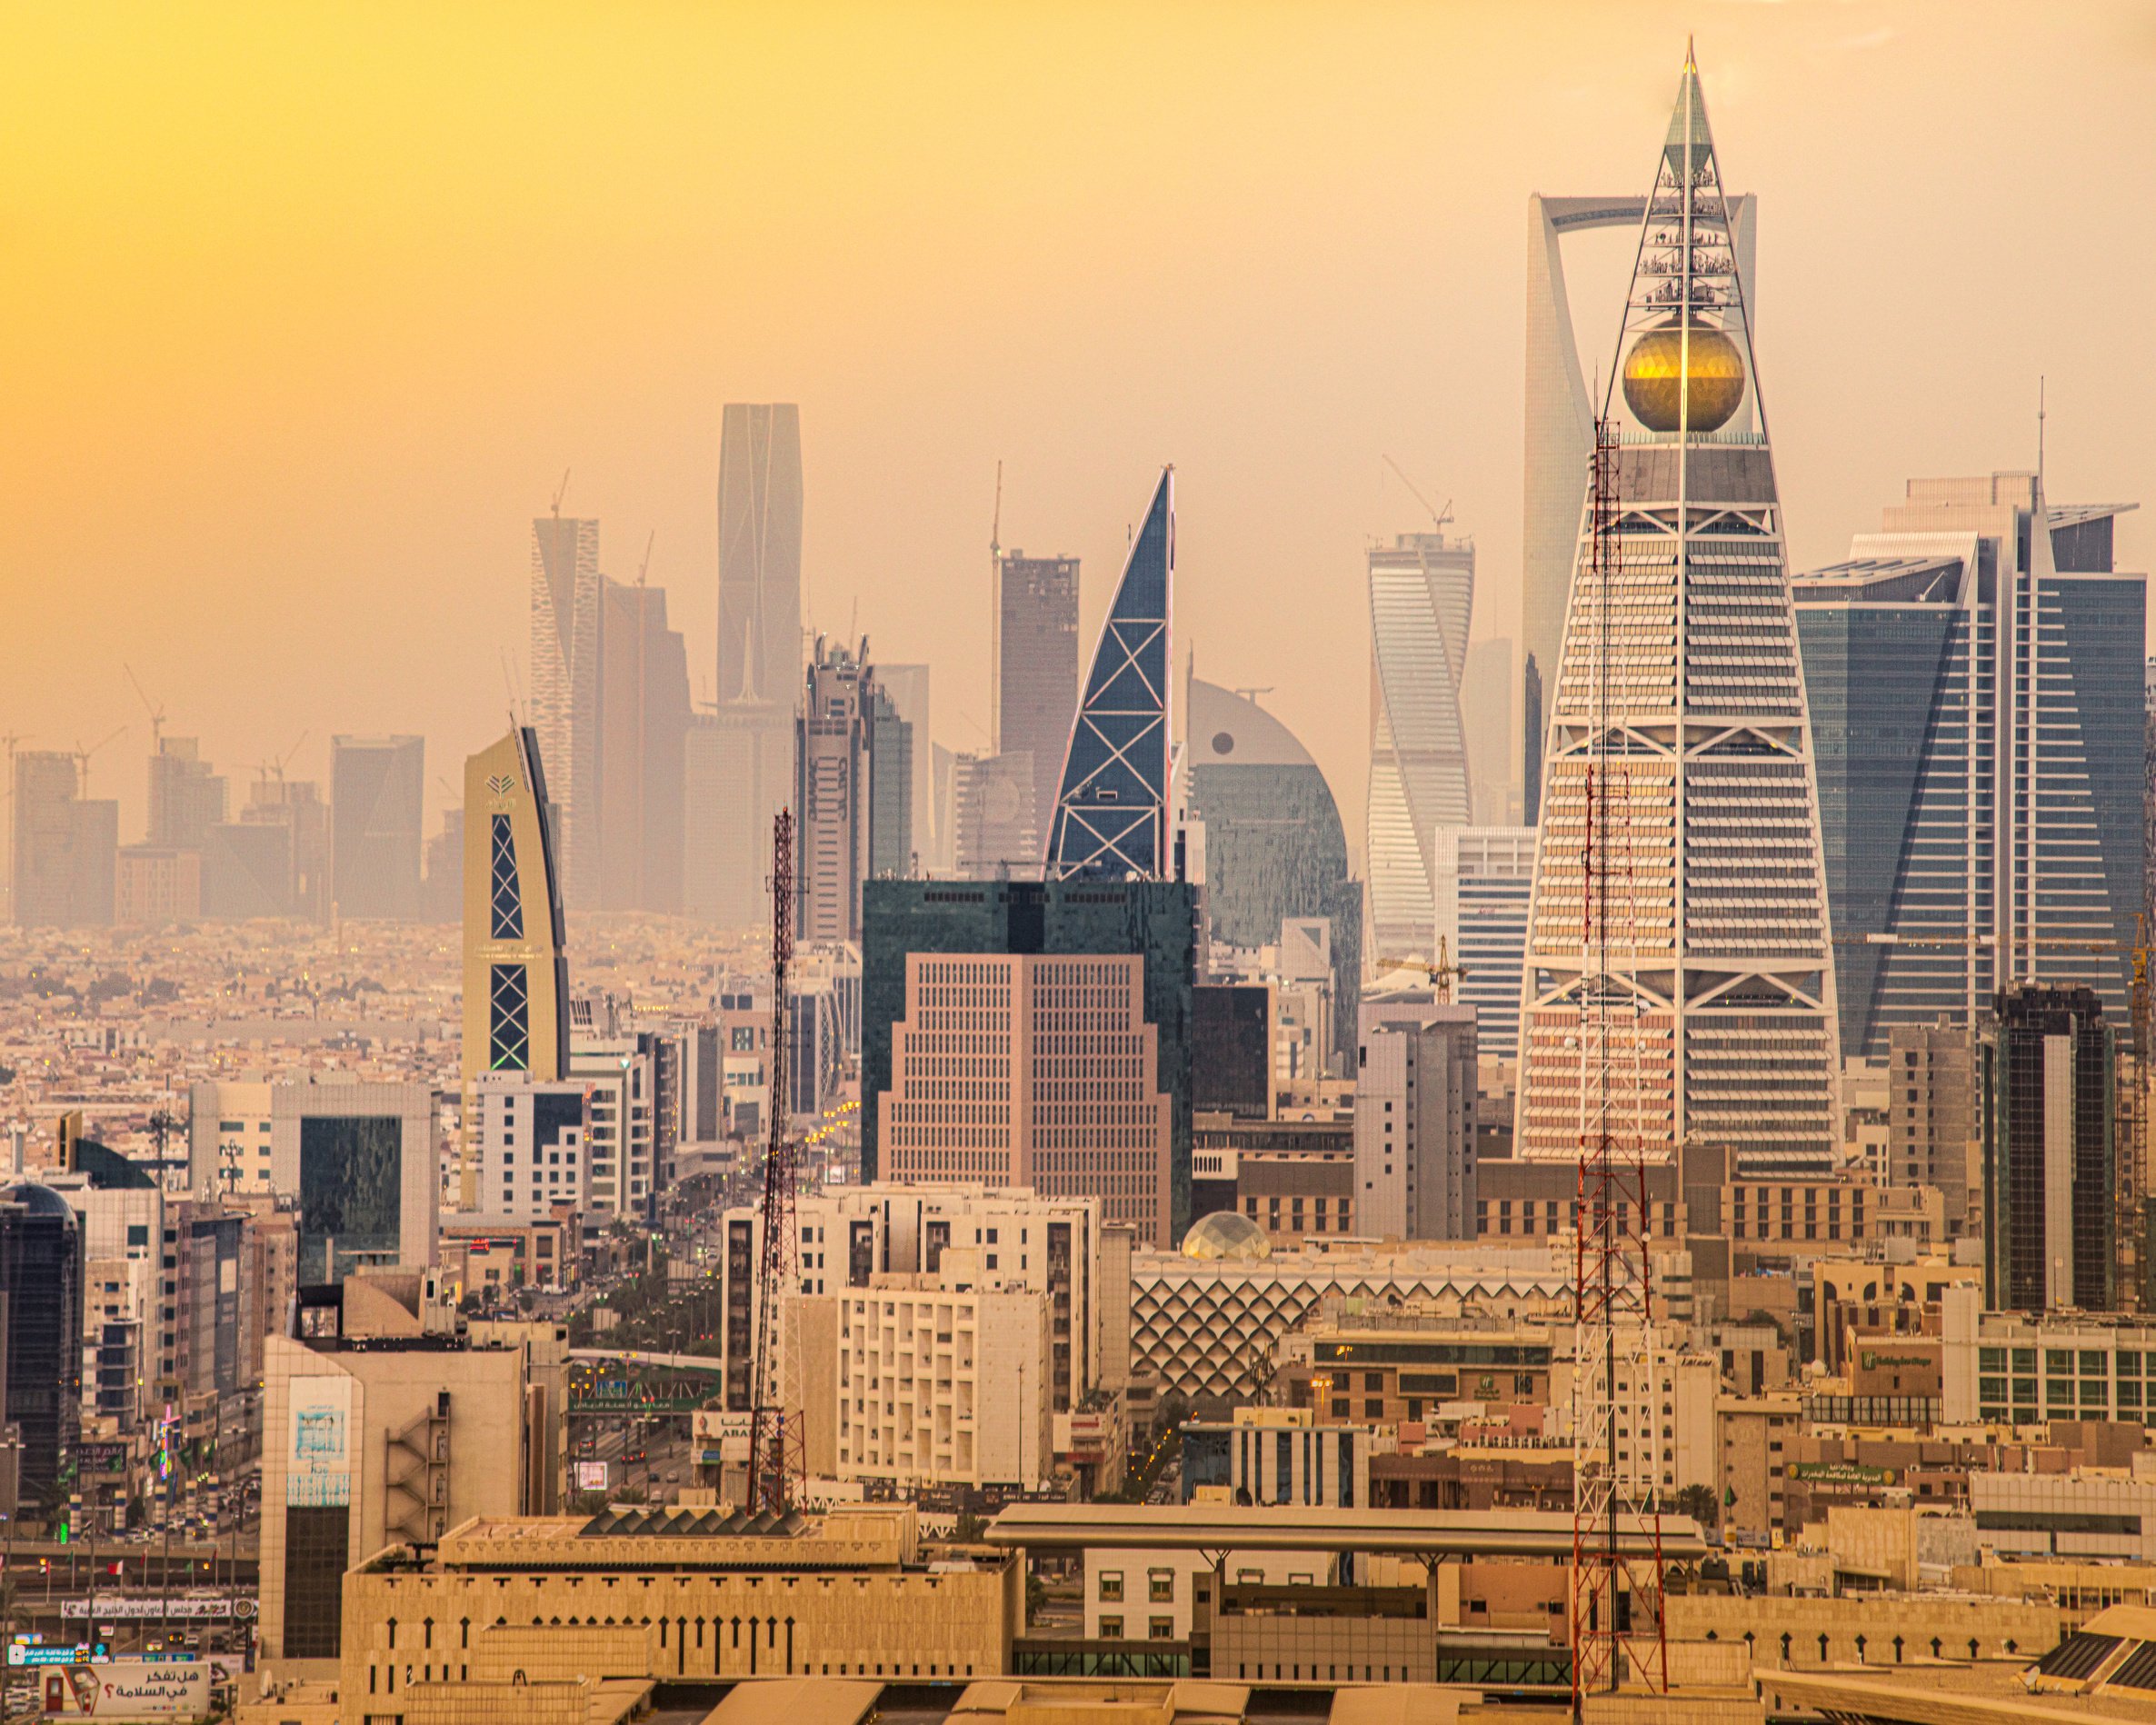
(1678, 787)
(1111, 815)
(1422, 602)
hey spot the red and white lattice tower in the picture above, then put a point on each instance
(1616, 1613)
(776, 1449)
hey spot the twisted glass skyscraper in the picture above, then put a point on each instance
(1422, 599)
(1679, 982)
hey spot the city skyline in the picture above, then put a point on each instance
(1376, 358)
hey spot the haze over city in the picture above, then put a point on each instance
(307, 311)
(1213, 864)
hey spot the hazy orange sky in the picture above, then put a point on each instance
(306, 309)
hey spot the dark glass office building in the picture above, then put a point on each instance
(1231, 1023)
(1155, 918)
(2049, 1146)
(41, 1274)
(351, 1178)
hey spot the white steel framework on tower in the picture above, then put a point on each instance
(1682, 664)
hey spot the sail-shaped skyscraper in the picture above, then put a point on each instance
(1679, 979)
(1111, 816)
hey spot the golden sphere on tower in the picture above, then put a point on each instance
(1714, 389)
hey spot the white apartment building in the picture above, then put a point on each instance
(228, 1136)
(619, 1133)
(123, 1238)
(1020, 1239)
(531, 1138)
(942, 1380)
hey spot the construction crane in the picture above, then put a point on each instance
(155, 709)
(560, 492)
(776, 1453)
(1442, 974)
(1438, 519)
(81, 759)
(645, 568)
(265, 770)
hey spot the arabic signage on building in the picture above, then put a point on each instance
(318, 1464)
(1839, 1473)
(126, 1690)
(180, 1609)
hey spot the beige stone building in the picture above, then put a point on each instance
(668, 1594)
(1032, 1069)
(384, 1424)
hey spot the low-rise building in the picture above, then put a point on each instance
(677, 1595)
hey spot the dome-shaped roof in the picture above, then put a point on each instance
(1230, 730)
(38, 1200)
(1226, 1233)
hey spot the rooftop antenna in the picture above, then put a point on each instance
(2040, 437)
(1437, 520)
(560, 492)
(995, 618)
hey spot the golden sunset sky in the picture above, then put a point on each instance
(306, 308)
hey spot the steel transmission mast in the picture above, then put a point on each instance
(775, 1448)
(1615, 1615)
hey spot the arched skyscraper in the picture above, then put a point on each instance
(1111, 815)
(516, 973)
(1679, 982)
(1422, 599)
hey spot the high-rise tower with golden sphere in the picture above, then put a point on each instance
(1680, 986)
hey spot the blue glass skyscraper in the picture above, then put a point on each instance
(1976, 693)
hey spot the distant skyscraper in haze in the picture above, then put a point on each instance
(296, 806)
(1275, 848)
(65, 847)
(565, 682)
(1422, 601)
(1111, 816)
(187, 799)
(906, 687)
(516, 976)
(1677, 946)
(855, 765)
(992, 817)
(1487, 706)
(1037, 667)
(760, 665)
(1561, 420)
(705, 807)
(1940, 854)
(643, 718)
(1484, 876)
(377, 792)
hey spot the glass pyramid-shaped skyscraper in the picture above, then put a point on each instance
(1111, 817)
(1679, 982)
